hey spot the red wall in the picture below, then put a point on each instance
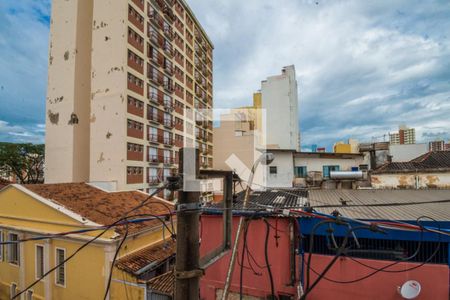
(259, 286)
(434, 280)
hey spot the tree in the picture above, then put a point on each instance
(25, 161)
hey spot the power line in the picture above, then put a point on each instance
(125, 217)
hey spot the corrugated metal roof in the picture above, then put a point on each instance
(438, 211)
(278, 198)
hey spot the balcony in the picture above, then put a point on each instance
(153, 97)
(169, 160)
(169, 123)
(167, 10)
(168, 32)
(153, 138)
(168, 141)
(168, 87)
(154, 180)
(153, 117)
(168, 105)
(154, 159)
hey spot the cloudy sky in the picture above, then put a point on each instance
(363, 67)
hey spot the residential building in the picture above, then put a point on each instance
(279, 97)
(283, 244)
(437, 145)
(352, 146)
(406, 152)
(431, 170)
(324, 163)
(405, 135)
(122, 76)
(43, 210)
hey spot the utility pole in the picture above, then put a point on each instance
(187, 267)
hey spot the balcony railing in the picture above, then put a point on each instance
(168, 141)
(153, 97)
(168, 160)
(153, 180)
(154, 159)
(153, 138)
(168, 104)
(153, 117)
(169, 123)
(168, 87)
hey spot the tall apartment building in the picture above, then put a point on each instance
(436, 146)
(121, 74)
(279, 96)
(405, 135)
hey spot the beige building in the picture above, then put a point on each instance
(121, 75)
(405, 135)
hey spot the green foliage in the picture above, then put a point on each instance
(25, 161)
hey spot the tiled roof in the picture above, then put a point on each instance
(3, 183)
(430, 162)
(154, 254)
(438, 211)
(97, 205)
(163, 284)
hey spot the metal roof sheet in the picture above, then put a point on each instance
(438, 211)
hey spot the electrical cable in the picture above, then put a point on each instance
(383, 269)
(125, 217)
(335, 258)
(241, 279)
(108, 286)
(266, 255)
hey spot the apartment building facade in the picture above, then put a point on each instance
(405, 135)
(122, 76)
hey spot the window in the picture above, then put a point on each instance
(328, 169)
(61, 270)
(13, 249)
(301, 172)
(1, 245)
(13, 290)
(39, 261)
(273, 170)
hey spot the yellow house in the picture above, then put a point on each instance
(34, 214)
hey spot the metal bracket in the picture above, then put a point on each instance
(190, 274)
(188, 206)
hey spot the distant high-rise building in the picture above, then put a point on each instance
(405, 135)
(121, 74)
(436, 145)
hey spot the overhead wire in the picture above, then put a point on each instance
(125, 217)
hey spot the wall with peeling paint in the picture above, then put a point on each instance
(411, 181)
(67, 121)
(108, 99)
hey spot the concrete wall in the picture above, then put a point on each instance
(316, 164)
(67, 120)
(407, 152)
(411, 180)
(432, 278)
(109, 93)
(280, 99)
(254, 285)
(285, 170)
(226, 143)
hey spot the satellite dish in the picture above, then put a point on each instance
(410, 289)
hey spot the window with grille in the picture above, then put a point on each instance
(13, 249)
(61, 270)
(39, 261)
(1, 245)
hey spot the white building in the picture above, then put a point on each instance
(280, 99)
